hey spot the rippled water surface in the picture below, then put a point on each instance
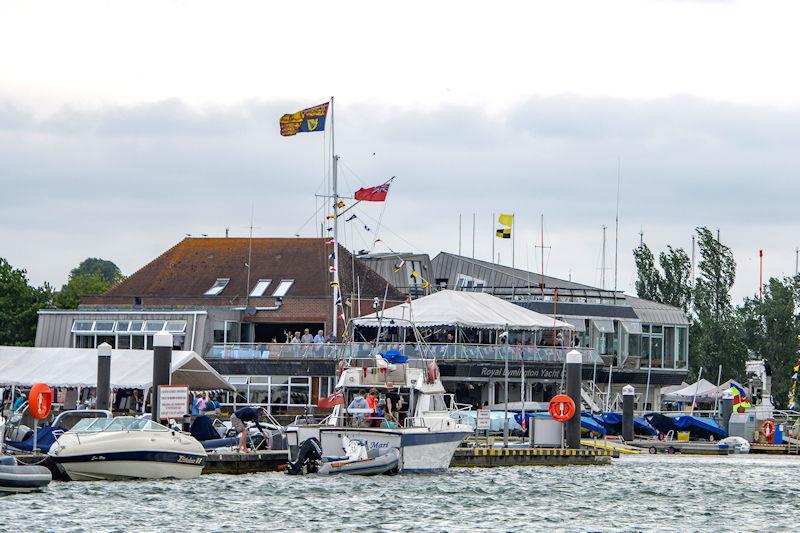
(640, 493)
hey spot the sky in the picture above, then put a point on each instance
(125, 126)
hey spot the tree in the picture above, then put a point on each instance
(19, 303)
(648, 279)
(716, 331)
(770, 329)
(93, 265)
(675, 286)
(82, 285)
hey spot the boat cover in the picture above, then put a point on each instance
(593, 424)
(613, 423)
(660, 422)
(700, 427)
(394, 357)
(45, 438)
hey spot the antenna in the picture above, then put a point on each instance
(542, 246)
(641, 236)
(228, 229)
(692, 259)
(616, 230)
(796, 257)
(249, 257)
(603, 261)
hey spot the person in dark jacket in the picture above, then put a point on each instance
(239, 421)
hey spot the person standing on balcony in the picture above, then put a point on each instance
(296, 338)
(307, 338)
(319, 338)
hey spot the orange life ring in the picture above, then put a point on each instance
(768, 428)
(40, 400)
(561, 408)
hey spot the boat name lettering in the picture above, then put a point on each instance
(98, 458)
(189, 460)
(378, 445)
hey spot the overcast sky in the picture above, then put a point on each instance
(125, 127)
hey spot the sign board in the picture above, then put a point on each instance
(173, 401)
(484, 419)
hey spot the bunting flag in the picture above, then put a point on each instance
(351, 217)
(400, 265)
(331, 216)
(426, 284)
(331, 268)
(329, 241)
(305, 121)
(504, 233)
(334, 285)
(508, 222)
(373, 194)
(341, 205)
(414, 274)
(332, 256)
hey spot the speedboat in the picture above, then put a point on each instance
(127, 448)
(428, 438)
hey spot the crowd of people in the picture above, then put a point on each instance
(307, 338)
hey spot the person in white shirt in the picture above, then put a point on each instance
(307, 338)
(319, 338)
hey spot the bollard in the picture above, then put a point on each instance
(726, 409)
(187, 423)
(573, 425)
(162, 366)
(104, 376)
(627, 413)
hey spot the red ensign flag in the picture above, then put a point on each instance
(373, 194)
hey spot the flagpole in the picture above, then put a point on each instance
(513, 237)
(494, 236)
(335, 292)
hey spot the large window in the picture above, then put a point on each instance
(683, 348)
(669, 347)
(276, 393)
(664, 346)
(125, 334)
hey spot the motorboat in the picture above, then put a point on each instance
(359, 462)
(15, 477)
(737, 444)
(127, 448)
(428, 437)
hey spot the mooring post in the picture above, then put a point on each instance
(726, 409)
(104, 376)
(162, 366)
(627, 412)
(574, 368)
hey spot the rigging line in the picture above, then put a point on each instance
(378, 228)
(415, 248)
(314, 214)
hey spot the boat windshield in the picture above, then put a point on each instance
(127, 423)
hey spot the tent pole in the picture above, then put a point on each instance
(719, 382)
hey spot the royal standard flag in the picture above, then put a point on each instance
(504, 233)
(506, 220)
(307, 120)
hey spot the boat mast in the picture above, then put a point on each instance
(335, 195)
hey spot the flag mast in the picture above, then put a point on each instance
(335, 195)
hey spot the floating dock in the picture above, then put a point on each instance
(493, 457)
(246, 462)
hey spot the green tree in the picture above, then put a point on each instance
(675, 286)
(93, 265)
(716, 331)
(770, 329)
(648, 281)
(19, 303)
(82, 285)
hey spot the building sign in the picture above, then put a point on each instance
(484, 419)
(173, 401)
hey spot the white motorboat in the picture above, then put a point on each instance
(127, 448)
(428, 437)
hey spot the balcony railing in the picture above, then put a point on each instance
(444, 351)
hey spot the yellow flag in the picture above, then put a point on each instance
(506, 220)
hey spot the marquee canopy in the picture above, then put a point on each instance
(77, 367)
(463, 309)
(703, 391)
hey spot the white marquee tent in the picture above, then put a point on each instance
(77, 367)
(703, 391)
(463, 309)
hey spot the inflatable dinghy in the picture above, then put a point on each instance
(15, 477)
(359, 462)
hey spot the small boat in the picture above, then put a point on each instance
(613, 424)
(127, 448)
(737, 444)
(359, 462)
(15, 477)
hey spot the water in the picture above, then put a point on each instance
(635, 493)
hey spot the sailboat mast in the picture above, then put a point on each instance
(335, 195)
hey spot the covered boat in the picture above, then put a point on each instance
(613, 423)
(700, 427)
(127, 448)
(15, 477)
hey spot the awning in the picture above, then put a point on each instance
(603, 325)
(77, 367)
(464, 309)
(633, 327)
(578, 322)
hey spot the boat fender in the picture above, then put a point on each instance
(433, 372)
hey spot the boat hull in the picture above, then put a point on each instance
(23, 478)
(87, 470)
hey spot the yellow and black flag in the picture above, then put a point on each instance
(307, 120)
(508, 222)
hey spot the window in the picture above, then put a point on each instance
(260, 288)
(136, 325)
(283, 288)
(153, 325)
(82, 325)
(122, 325)
(468, 283)
(175, 326)
(217, 287)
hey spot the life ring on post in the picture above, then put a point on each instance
(768, 428)
(561, 408)
(40, 400)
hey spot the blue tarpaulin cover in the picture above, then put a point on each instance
(394, 357)
(45, 438)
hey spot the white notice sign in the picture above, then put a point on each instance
(484, 419)
(173, 401)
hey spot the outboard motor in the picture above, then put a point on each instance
(309, 457)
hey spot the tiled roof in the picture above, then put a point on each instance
(190, 268)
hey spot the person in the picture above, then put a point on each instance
(200, 402)
(91, 400)
(211, 405)
(559, 340)
(393, 403)
(239, 421)
(296, 338)
(373, 402)
(359, 402)
(195, 410)
(22, 398)
(307, 338)
(319, 338)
